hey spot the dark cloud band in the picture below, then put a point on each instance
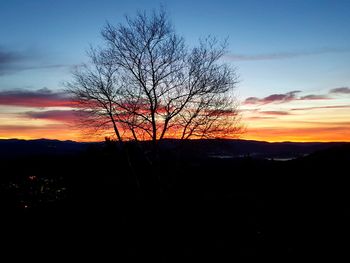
(34, 98)
(283, 98)
(56, 115)
(342, 90)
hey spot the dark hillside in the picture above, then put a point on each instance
(188, 206)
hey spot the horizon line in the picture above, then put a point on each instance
(193, 139)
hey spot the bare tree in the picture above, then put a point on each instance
(146, 84)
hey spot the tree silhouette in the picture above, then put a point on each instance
(146, 84)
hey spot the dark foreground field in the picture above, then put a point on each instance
(189, 207)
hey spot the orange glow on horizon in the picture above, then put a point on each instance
(324, 134)
(299, 135)
(296, 121)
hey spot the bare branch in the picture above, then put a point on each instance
(146, 84)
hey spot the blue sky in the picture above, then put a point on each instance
(276, 46)
(286, 45)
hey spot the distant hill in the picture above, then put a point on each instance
(16, 147)
(199, 148)
(247, 148)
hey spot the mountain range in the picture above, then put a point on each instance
(215, 148)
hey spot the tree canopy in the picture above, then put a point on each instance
(145, 83)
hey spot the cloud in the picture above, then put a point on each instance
(314, 97)
(283, 98)
(330, 124)
(277, 113)
(15, 61)
(322, 107)
(34, 98)
(56, 115)
(7, 57)
(286, 55)
(253, 118)
(9, 60)
(277, 98)
(252, 100)
(342, 90)
(21, 128)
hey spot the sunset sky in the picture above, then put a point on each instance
(293, 59)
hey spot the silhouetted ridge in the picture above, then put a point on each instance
(16, 147)
(218, 148)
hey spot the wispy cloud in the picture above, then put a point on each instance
(7, 57)
(283, 98)
(57, 115)
(277, 113)
(35, 98)
(286, 55)
(322, 107)
(278, 98)
(14, 61)
(9, 60)
(314, 97)
(254, 118)
(341, 90)
(22, 128)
